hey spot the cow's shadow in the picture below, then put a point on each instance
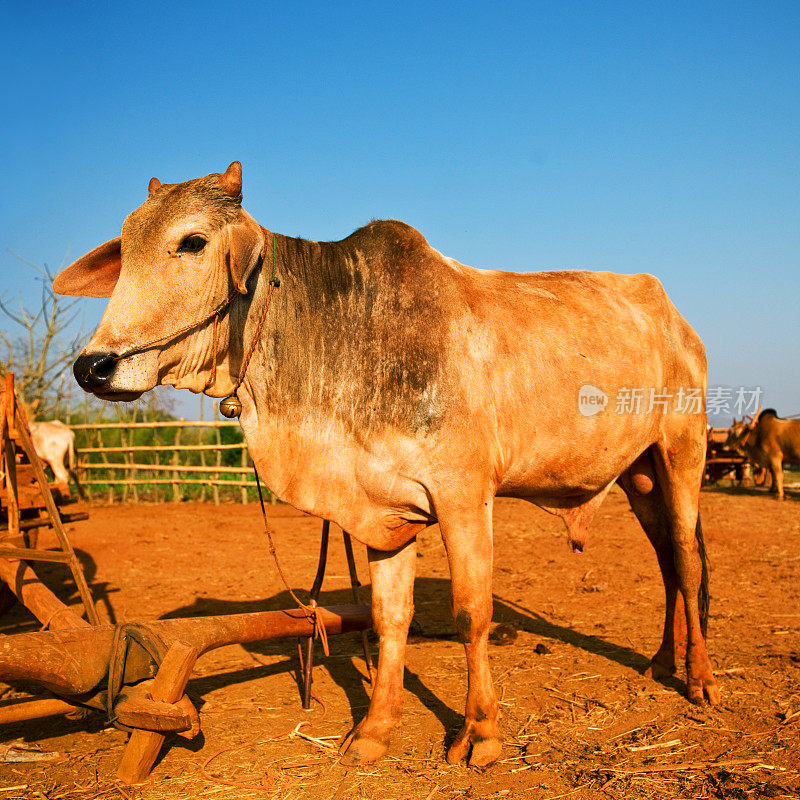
(431, 622)
(754, 491)
(345, 666)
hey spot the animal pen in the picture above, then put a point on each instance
(135, 673)
(164, 460)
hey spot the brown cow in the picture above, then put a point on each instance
(768, 441)
(392, 387)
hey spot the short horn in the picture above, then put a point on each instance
(231, 181)
(153, 186)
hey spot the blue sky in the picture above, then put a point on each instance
(636, 137)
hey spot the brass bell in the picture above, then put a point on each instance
(230, 407)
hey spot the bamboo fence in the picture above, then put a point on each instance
(156, 461)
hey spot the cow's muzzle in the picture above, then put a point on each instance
(94, 371)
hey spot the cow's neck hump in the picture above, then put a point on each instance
(355, 330)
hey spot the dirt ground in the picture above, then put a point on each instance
(573, 635)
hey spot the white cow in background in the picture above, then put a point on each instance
(54, 443)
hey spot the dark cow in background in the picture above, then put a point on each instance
(392, 387)
(768, 441)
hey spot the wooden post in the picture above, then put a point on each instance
(130, 438)
(176, 491)
(123, 441)
(201, 437)
(215, 478)
(103, 455)
(157, 461)
(9, 457)
(244, 474)
(168, 687)
(84, 473)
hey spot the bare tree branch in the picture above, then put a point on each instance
(44, 345)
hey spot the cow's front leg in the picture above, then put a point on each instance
(392, 576)
(776, 468)
(468, 539)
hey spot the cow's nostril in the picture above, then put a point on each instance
(95, 370)
(104, 367)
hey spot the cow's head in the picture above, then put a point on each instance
(739, 434)
(736, 434)
(181, 255)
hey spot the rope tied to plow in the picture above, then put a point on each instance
(310, 609)
(124, 634)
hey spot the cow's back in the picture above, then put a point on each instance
(783, 433)
(532, 341)
(397, 340)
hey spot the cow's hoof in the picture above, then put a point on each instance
(485, 749)
(659, 670)
(358, 748)
(485, 752)
(702, 688)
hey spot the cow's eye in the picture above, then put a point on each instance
(192, 244)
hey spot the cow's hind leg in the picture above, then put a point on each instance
(647, 503)
(61, 474)
(678, 459)
(468, 538)
(392, 577)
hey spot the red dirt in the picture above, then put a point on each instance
(572, 638)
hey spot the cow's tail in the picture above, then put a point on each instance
(703, 596)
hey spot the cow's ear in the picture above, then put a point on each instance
(231, 180)
(94, 275)
(245, 249)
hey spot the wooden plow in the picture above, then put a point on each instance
(135, 673)
(724, 462)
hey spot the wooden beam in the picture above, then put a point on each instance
(21, 710)
(29, 554)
